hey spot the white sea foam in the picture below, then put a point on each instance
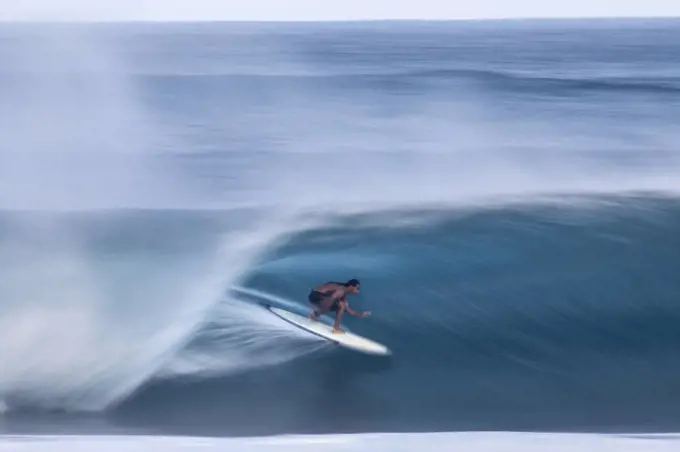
(398, 442)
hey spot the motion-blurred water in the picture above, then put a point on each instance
(506, 192)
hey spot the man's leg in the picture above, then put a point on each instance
(324, 306)
(338, 319)
(321, 307)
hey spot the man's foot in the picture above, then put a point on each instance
(338, 331)
(313, 317)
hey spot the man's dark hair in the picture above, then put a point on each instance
(350, 283)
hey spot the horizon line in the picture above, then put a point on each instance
(355, 20)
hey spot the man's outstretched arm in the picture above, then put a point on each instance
(354, 313)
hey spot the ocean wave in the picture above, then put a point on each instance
(510, 81)
(488, 311)
(519, 254)
(502, 80)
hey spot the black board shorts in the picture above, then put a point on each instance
(316, 297)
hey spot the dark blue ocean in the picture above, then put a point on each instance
(508, 193)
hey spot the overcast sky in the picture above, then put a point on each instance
(327, 9)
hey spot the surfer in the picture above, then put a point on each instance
(331, 296)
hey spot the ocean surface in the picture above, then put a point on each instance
(508, 193)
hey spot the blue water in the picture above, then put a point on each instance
(507, 192)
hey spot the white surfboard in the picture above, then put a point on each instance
(348, 340)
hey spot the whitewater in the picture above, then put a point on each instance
(506, 193)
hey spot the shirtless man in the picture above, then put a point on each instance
(331, 297)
